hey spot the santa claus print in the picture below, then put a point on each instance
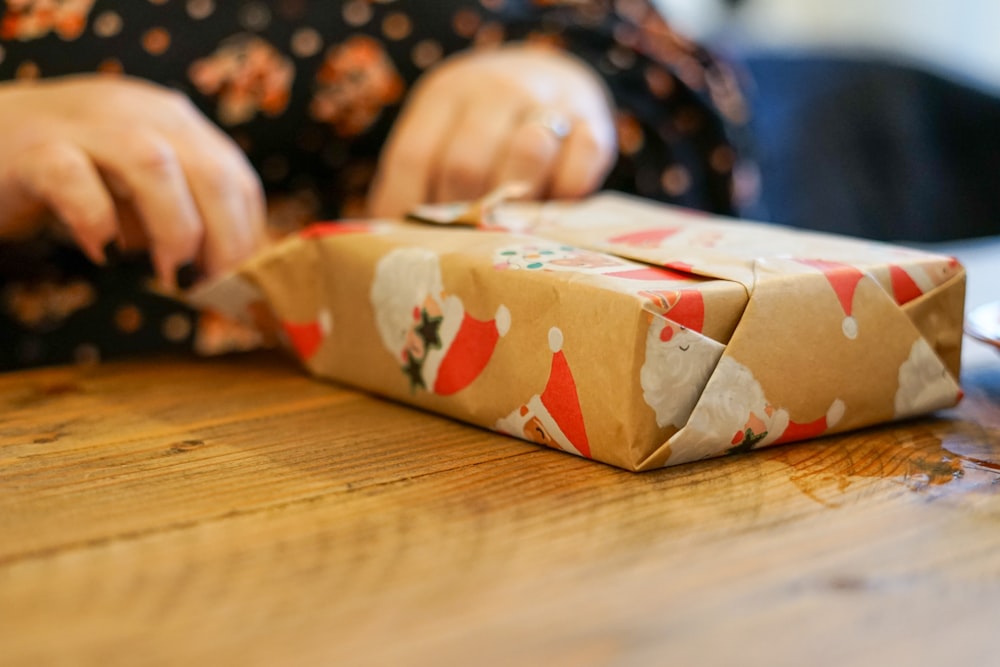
(306, 337)
(653, 238)
(676, 367)
(616, 273)
(735, 415)
(552, 418)
(904, 283)
(645, 238)
(924, 383)
(684, 306)
(844, 280)
(440, 347)
(322, 230)
(548, 256)
(909, 282)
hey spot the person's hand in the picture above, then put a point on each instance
(127, 162)
(519, 113)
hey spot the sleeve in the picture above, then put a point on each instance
(680, 114)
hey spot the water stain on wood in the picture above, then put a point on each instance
(826, 471)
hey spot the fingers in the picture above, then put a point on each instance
(63, 178)
(470, 126)
(226, 190)
(463, 154)
(210, 205)
(146, 170)
(230, 201)
(127, 161)
(584, 160)
(557, 156)
(196, 200)
(531, 153)
(466, 164)
(403, 179)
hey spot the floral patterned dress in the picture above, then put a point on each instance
(309, 90)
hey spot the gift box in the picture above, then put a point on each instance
(620, 330)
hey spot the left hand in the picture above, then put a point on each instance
(518, 113)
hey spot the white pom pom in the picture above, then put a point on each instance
(325, 321)
(555, 339)
(835, 413)
(502, 320)
(850, 327)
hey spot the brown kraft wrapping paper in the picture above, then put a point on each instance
(624, 331)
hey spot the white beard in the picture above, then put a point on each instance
(675, 372)
(404, 278)
(734, 394)
(924, 383)
(452, 312)
(514, 424)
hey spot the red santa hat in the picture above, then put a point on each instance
(844, 280)
(469, 351)
(318, 230)
(645, 238)
(806, 430)
(904, 287)
(306, 337)
(558, 406)
(652, 273)
(683, 307)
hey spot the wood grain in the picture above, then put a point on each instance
(234, 511)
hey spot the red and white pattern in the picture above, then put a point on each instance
(924, 383)
(677, 365)
(649, 283)
(735, 414)
(552, 418)
(438, 344)
(307, 337)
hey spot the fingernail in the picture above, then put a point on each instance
(187, 275)
(112, 254)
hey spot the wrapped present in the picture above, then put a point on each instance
(616, 329)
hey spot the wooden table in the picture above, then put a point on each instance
(234, 511)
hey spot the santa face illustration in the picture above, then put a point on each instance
(653, 237)
(735, 415)
(615, 273)
(439, 346)
(910, 282)
(924, 383)
(677, 366)
(553, 417)
(555, 257)
(528, 424)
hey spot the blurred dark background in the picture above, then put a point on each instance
(878, 119)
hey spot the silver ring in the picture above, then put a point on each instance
(555, 122)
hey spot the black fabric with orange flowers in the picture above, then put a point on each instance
(310, 89)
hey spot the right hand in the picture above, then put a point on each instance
(478, 120)
(124, 161)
